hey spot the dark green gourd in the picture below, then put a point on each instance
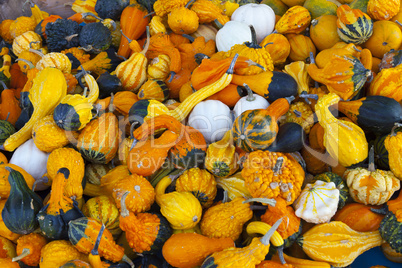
(22, 206)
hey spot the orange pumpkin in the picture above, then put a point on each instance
(386, 36)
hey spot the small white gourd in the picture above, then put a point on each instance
(232, 33)
(261, 16)
(212, 118)
(318, 202)
(250, 102)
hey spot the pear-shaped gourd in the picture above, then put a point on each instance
(22, 205)
(133, 71)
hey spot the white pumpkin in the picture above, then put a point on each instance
(32, 160)
(212, 118)
(232, 33)
(250, 102)
(318, 202)
(261, 16)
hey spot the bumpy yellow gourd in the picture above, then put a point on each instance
(48, 88)
(344, 141)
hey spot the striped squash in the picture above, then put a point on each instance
(99, 140)
(354, 26)
(83, 232)
(257, 129)
(133, 72)
(25, 41)
(154, 89)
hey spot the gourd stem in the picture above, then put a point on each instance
(305, 95)
(396, 125)
(123, 209)
(132, 129)
(270, 43)
(128, 38)
(278, 166)
(314, 22)
(94, 251)
(200, 56)
(189, 37)
(232, 64)
(371, 166)
(146, 42)
(297, 113)
(68, 38)
(87, 14)
(30, 64)
(250, 62)
(25, 252)
(172, 74)
(268, 201)
(290, 99)
(250, 95)
(225, 197)
(8, 115)
(119, 56)
(265, 239)
(189, 3)
(254, 43)
(312, 60)
(400, 24)
(37, 52)
(355, 48)
(128, 261)
(383, 210)
(280, 254)
(3, 84)
(35, 42)
(149, 14)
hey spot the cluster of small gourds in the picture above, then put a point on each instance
(202, 133)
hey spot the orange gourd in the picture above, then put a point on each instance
(187, 250)
(359, 217)
(132, 23)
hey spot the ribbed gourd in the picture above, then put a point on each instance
(133, 72)
(391, 224)
(353, 25)
(344, 141)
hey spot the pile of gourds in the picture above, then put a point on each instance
(202, 133)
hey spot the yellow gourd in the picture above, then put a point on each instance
(48, 88)
(336, 243)
(344, 141)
